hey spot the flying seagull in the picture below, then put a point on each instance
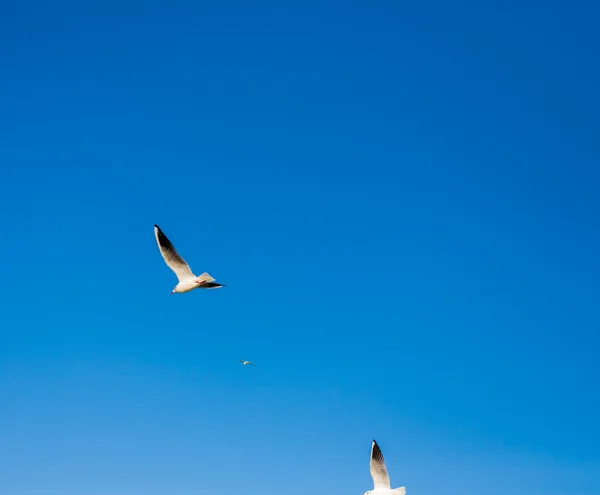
(381, 478)
(247, 362)
(187, 280)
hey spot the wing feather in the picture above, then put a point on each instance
(379, 472)
(172, 258)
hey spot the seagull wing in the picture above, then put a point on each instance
(171, 256)
(252, 364)
(205, 277)
(379, 472)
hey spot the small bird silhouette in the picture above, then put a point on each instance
(247, 362)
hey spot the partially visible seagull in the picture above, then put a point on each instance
(187, 280)
(381, 479)
(247, 362)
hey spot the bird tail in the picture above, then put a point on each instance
(205, 277)
(399, 491)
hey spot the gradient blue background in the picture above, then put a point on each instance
(402, 198)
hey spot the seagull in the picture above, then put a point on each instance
(187, 280)
(381, 478)
(247, 362)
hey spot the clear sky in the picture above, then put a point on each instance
(401, 198)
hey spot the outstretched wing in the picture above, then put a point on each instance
(172, 258)
(205, 277)
(379, 472)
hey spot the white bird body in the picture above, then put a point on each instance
(187, 280)
(381, 478)
(245, 363)
(186, 285)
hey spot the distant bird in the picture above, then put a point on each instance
(381, 479)
(247, 362)
(187, 280)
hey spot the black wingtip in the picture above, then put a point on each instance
(376, 453)
(157, 226)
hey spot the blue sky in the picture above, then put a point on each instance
(402, 198)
